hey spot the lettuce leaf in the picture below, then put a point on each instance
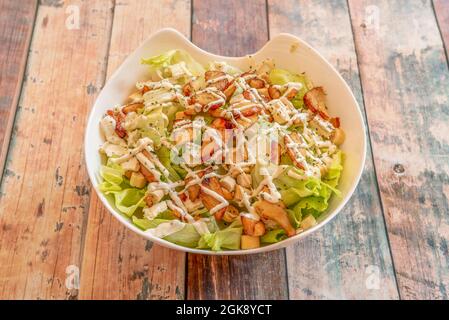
(187, 237)
(333, 174)
(172, 57)
(126, 199)
(292, 190)
(281, 76)
(273, 236)
(309, 196)
(112, 174)
(163, 153)
(227, 238)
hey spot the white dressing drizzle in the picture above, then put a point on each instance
(167, 228)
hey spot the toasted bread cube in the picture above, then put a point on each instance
(249, 242)
(137, 180)
(338, 136)
(308, 222)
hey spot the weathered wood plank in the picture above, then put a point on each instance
(119, 264)
(16, 25)
(217, 27)
(442, 13)
(229, 28)
(45, 190)
(335, 262)
(405, 82)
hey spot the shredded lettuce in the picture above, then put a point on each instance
(227, 238)
(280, 77)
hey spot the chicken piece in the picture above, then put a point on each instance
(187, 89)
(182, 136)
(226, 194)
(154, 197)
(263, 92)
(244, 180)
(119, 118)
(193, 191)
(128, 174)
(132, 107)
(182, 115)
(229, 90)
(209, 201)
(190, 110)
(274, 92)
(228, 183)
(147, 174)
(247, 95)
(216, 113)
(291, 92)
(238, 194)
(248, 122)
(220, 84)
(265, 68)
(250, 112)
(204, 98)
(256, 83)
(136, 97)
(275, 212)
(322, 127)
(253, 227)
(219, 123)
(294, 153)
(145, 89)
(230, 214)
(315, 100)
(335, 122)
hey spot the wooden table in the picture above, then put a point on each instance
(389, 242)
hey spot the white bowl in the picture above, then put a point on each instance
(288, 52)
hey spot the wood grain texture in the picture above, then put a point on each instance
(229, 28)
(441, 8)
(119, 264)
(16, 25)
(45, 190)
(405, 82)
(217, 27)
(337, 261)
